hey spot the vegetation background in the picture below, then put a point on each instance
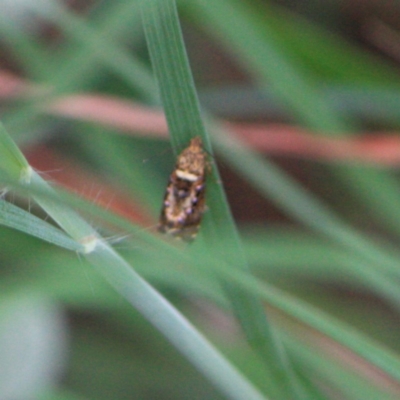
(301, 102)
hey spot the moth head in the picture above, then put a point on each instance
(192, 161)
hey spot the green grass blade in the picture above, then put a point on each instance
(16, 218)
(182, 110)
(172, 324)
(142, 296)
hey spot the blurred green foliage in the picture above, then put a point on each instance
(328, 271)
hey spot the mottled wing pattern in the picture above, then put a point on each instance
(184, 200)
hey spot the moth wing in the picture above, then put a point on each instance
(192, 222)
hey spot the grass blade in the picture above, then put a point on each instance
(182, 110)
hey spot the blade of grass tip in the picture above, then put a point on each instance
(171, 323)
(171, 67)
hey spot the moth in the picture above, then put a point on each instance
(184, 200)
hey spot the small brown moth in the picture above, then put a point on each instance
(184, 201)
